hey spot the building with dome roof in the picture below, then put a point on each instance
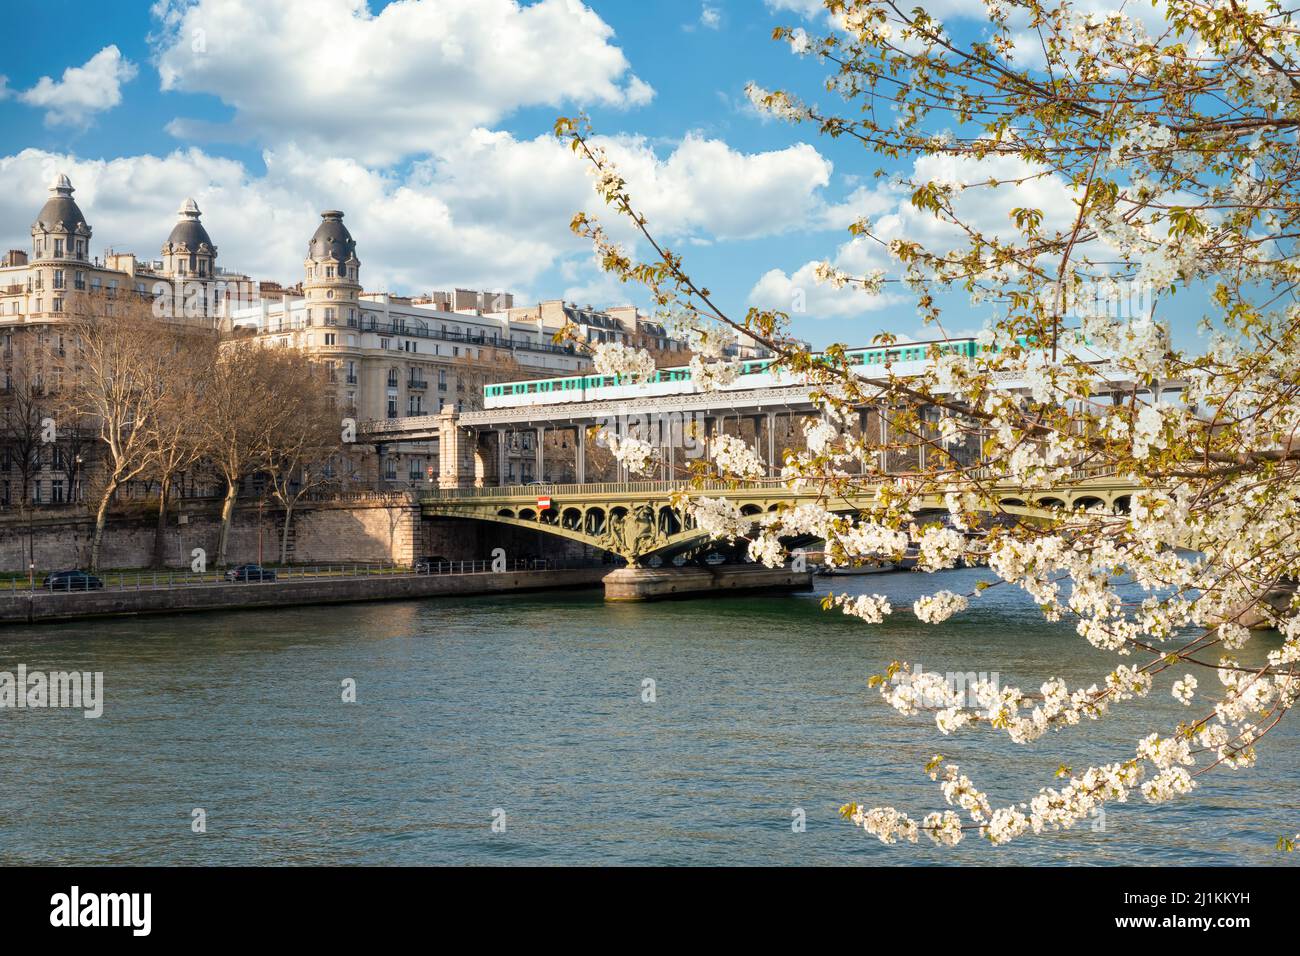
(60, 281)
(389, 356)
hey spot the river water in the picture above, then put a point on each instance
(528, 710)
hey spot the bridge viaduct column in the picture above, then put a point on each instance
(501, 457)
(541, 452)
(770, 427)
(456, 458)
(580, 453)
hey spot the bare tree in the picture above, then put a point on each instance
(306, 435)
(121, 354)
(174, 433)
(26, 404)
(241, 409)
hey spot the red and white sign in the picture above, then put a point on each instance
(543, 501)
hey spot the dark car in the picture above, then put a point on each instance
(429, 565)
(250, 572)
(72, 580)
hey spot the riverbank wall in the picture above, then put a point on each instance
(30, 607)
(657, 584)
(378, 528)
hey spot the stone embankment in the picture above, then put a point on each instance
(24, 607)
(650, 584)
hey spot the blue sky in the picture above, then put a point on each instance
(427, 121)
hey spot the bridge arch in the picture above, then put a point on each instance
(637, 519)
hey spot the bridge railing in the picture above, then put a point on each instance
(1083, 473)
(174, 579)
(600, 488)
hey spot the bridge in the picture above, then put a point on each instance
(537, 455)
(555, 431)
(638, 520)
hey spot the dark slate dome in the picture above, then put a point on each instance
(189, 231)
(332, 239)
(60, 208)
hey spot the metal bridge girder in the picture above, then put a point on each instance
(636, 519)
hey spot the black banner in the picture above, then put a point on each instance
(143, 906)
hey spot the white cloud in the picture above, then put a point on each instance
(706, 189)
(805, 8)
(800, 293)
(710, 17)
(490, 211)
(337, 79)
(892, 216)
(83, 91)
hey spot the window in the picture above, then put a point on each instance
(329, 338)
(57, 305)
(392, 378)
(58, 279)
(58, 248)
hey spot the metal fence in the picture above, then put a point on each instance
(147, 580)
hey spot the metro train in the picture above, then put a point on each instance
(906, 359)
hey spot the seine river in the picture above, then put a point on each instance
(528, 710)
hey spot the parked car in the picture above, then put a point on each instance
(250, 572)
(72, 580)
(429, 564)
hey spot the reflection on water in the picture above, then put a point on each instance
(533, 705)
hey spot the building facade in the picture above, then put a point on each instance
(59, 281)
(391, 356)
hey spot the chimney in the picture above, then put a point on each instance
(14, 257)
